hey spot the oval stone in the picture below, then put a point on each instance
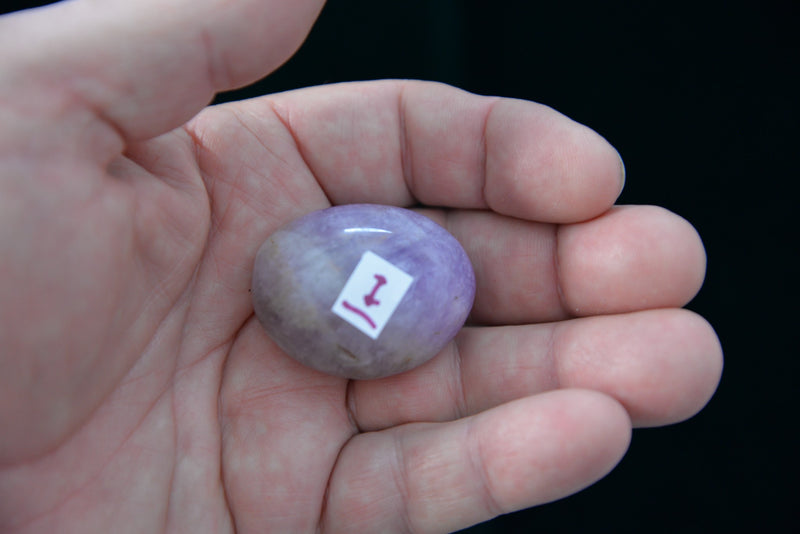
(362, 291)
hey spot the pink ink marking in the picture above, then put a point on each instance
(370, 299)
(353, 309)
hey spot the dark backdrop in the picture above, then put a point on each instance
(701, 101)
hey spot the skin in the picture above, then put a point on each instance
(139, 394)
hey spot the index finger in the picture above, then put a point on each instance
(396, 142)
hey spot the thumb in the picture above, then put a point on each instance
(146, 66)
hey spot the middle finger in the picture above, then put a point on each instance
(630, 258)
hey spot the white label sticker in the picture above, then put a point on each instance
(372, 294)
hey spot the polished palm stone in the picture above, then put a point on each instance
(362, 291)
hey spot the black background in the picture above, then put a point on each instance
(701, 101)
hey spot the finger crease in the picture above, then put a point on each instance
(562, 298)
(459, 395)
(286, 123)
(217, 72)
(485, 153)
(401, 482)
(351, 406)
(475, 457)
(406, 158)
(552, 353)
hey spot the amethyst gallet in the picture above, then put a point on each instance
(362, 291)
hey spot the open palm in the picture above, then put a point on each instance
(138, 392)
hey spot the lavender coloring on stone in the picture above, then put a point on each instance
(362, 291)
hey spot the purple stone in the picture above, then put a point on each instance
(362, 291)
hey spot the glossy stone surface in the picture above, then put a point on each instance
(301, 270)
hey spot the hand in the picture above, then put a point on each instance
(137, 391)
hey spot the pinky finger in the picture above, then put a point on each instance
(441, 477)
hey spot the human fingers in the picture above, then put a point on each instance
(283, 426)
(661, 365)
(443, 477)
(277, 157)
(145, 67)
(400, 142)
(628, 259)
